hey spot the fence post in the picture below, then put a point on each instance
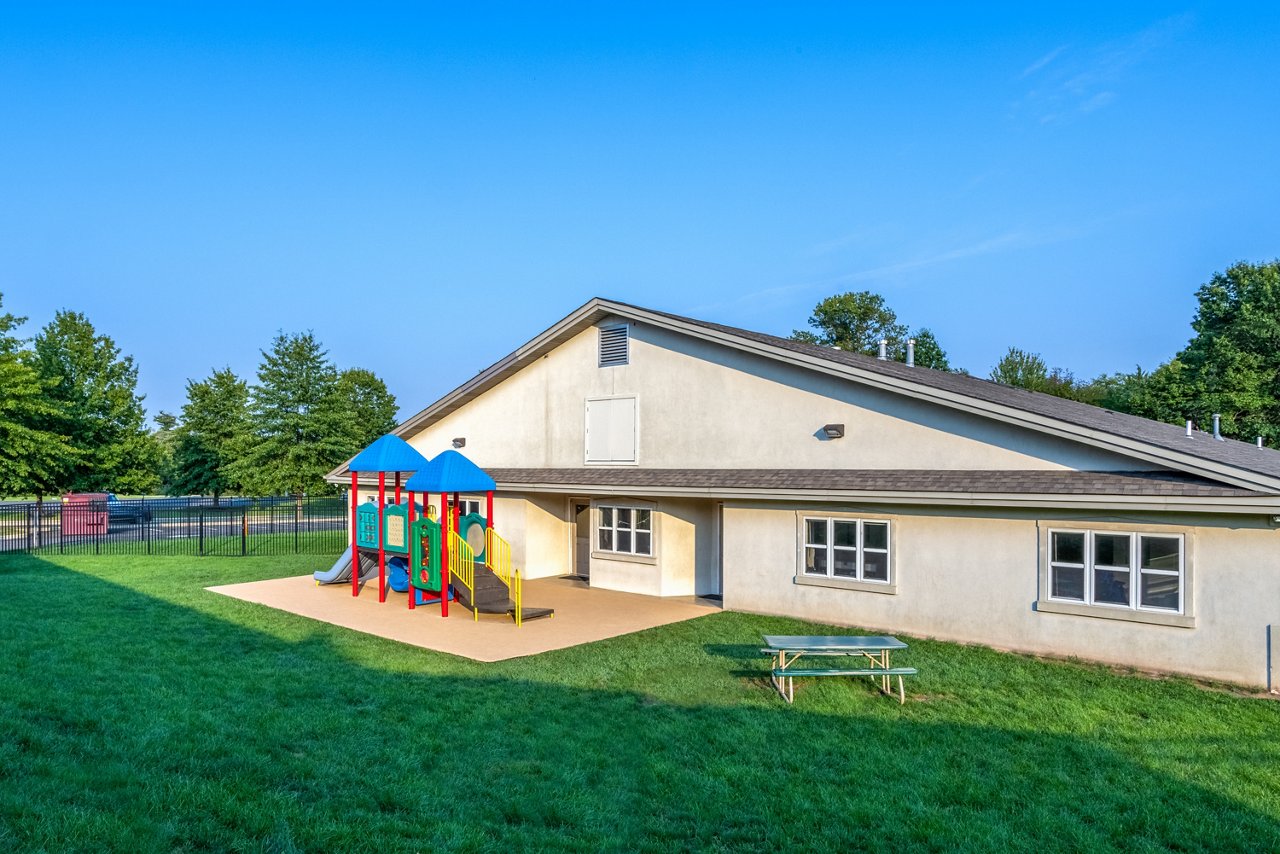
(244, 531)
(201, 526)
(31, 540)
(297, 513)
(146, 525)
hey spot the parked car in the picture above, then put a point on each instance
(133, 512)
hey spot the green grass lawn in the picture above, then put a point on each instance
(139, 712)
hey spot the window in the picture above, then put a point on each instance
(625, 530)
(469, 505)
(853, 549)
(1117, 569)
(615, 345)
(611, 430)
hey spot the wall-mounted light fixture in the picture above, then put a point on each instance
(833, 431)
(460, 442)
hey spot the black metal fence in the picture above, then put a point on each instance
(177, 526)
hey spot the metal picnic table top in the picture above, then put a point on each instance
(832, 643)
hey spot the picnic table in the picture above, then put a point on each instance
(788, 649)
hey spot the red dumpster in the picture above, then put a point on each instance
(84, 513)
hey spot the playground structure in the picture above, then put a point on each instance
(442, 557)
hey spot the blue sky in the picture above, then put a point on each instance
(195, 179)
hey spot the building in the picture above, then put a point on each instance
(668, 456)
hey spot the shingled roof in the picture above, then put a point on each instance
(1022, 481)
(1239, 454)
(1147, 442)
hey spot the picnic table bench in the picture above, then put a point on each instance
(788, 649)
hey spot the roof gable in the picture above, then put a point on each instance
(1142, 439)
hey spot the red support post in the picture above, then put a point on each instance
(488, 510)
(457, 512)
(444, 555)
(397, 487)
(382, 554)
(412, 569)
(355, 556)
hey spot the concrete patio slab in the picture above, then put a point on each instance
(583, 615)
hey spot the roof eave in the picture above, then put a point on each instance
(1261, 505)
(598, 308)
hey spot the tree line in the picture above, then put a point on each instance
(1230, 366)
(72, 420)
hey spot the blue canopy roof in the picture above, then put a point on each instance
(451, 472)
(388, 453)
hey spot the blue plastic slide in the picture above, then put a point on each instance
(398, 574)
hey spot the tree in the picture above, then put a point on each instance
(1117, 391)
(1021, 369)
(97, 410)
(1231, 365)
(214, 433)
(370, 408)
(300, 430)
(855, 322)
(165, 438)
(32, 458)
(929, 353)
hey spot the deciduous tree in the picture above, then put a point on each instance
(1231, 365)
(92, 390)
(214, 433)
(854, 321)
(32, 459)
(369, 407)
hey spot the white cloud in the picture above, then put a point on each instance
(1087, 80)
(1042, 61)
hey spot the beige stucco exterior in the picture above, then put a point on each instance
(976, 578)
(701, 405)
(964, 573)
(541, 532)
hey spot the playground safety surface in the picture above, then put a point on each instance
(582, 615)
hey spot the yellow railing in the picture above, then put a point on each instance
(497, 554)
(462, 568)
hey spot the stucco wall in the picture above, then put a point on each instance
(703, 405)
(684, 552)
(974, 578)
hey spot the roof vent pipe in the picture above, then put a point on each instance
(1216, 434)
(1259, 441)
(911, 352)
(884, 349)
(1188, 428)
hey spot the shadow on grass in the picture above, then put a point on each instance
(135, 723)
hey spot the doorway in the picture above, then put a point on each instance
(580, 513)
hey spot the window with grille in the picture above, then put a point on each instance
(1117, 569)
(626, 530)
(854, 549)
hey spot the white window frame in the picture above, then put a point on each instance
(1135, 569)
(803, 576)
(613, 512)
(464, 503)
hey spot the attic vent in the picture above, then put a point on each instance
(614, 345)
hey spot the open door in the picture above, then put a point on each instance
(581, 509)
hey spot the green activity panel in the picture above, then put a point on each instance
(424, 555)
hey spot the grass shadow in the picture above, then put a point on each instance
(139, 713)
